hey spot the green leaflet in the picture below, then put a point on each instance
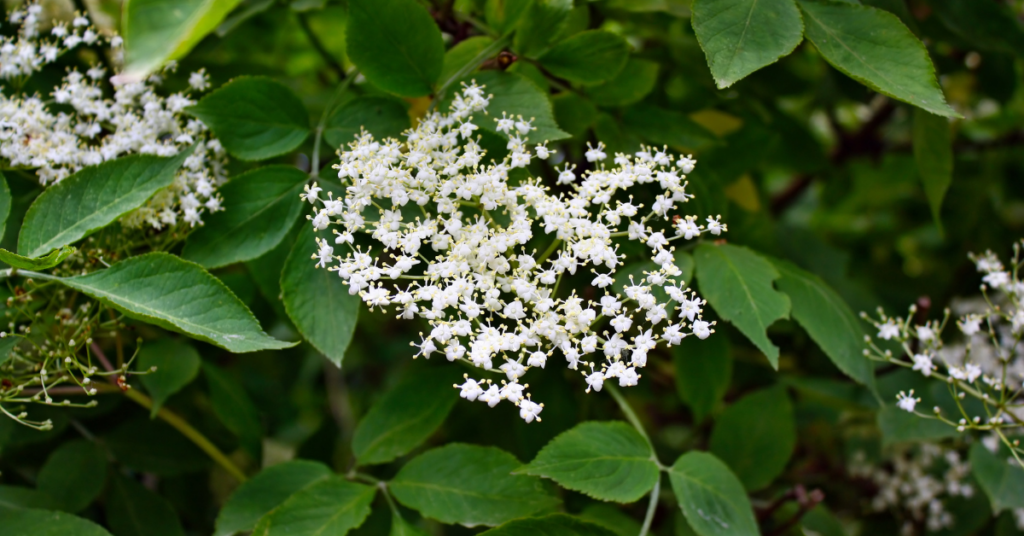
(177, 364)
(175, 294)
(396, 45)
(933, 153)
(589, 57)
(873, 47)
(990, 26)
(18, 498)
(541, 25)
(133, 510)
(235, 409)
(265, 492)
(899, 426)
(156, 31)
(45, 262)
(551, 525)
(756, 436)
(254, 117)
(703, 370)
(738, 283)
(74, 475)
(317, 300)
(742, 36)
(382, 117)
(667, 127)
(470, 485)
(93, 198)
(609, 461)
(461, 54)
(711, 497)
(152, 446)
(5, 204)
(1000, 477)
(515, 95)
(405, 416)
(260, 207)
(636, 79)
(331, 505)
(30, 522)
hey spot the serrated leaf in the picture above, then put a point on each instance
(612, 518)
(827, 319)
(382, 117)
(933, 153)
(93, 198)
(516, 95)
(738, 283)
(317, 300)
(550, 525)
(873, 47)
(254, 117)
(396, 44)
(756, 436)
(235, 409)
(711, 497)
(45, 262)
(609, 461)
(176, 363)
(156, 31)
(178, 295)
(265, 492)
(332, 506)
(742, 36)
(703, 370)
(540, 25)
(589, 57)
(73, 475)
(133, 510)
(666, 127)
(405, 416)
(636, 79)
(260, 207)
(1000, 477)
(470, 485)
(31, 522)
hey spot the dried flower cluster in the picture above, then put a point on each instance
(455, 235)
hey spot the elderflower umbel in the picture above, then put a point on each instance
(452, 233)
(135, 120)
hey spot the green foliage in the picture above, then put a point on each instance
(133, 510)
(331, 505)
(518, 96)
(933, 154)
(176, 364)
(632, 84)
(470, 485)
(711, 497)
(609, 461)
(541, 23)
(1000, 476)
(265, 492)
(44, 262)
(156, 30)
(755, 436)
(73, 475)
(92, 199)
(382, 117)
(703, 370)
(31, 522)
(5, 203)
(396, 45)
(552, 525)
(254, 118)
(234, 408)
(589, 57)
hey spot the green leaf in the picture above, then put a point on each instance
(176, 363)
(899, 426)
(29, 522)
(1000, 477)
(265, 492)
(178, 295)
(328, 506)
(396, 45)
(703, 370)
(156, 31)
(93, 198)
(235, 409)
(589, 57)
(470, 485)
(711, 497)
(17, 498)
(827, 319)
(152, 446)
(503, 15)
(461, 54)
(742, 36)
(5, 204)
(254, 117)
(550, 525)
(45, 262)
(574, 113)
(612, 518)
(636, 79)
(738, 283)
(540, 25)
(933, 153)
(515, 95)
(73, 475)
(609, 461)
(260, 207)
(756, 436)
(405, 416)
(317, 301)
(989, 26)
(667, 127)
(382, 117)
(401, 527)
(873, 47)
(133, 510)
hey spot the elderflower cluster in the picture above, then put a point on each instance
(985, 362)
(918, 481)
(456, 237)
(36, 133)
(28, 50)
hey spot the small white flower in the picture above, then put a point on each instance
(907, 402)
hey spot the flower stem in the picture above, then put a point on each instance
(630, 415)
(652, 505)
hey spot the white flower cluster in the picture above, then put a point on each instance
(455, 230)
(136, 120)
(919, 480)
(27, 51)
